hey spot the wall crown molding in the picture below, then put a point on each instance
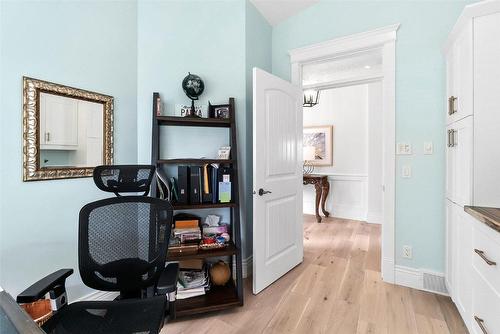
(365, 40)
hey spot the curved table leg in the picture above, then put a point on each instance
(319, 191)
(325, 186)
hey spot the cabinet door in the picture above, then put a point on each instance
(486, 110)
(450, 89)
(60, 121)
(462, 145)
(450, 233)
(450, 163)
(463, 85)
(463, 247)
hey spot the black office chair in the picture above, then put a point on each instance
(122, 246)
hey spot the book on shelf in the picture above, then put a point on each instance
(192, 283)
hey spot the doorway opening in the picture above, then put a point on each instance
(360, 65)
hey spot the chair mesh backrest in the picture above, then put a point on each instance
(123, 242)
(124, 178)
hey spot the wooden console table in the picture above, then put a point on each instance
(322, 187)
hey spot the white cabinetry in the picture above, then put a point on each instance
(487, 110)
(472, 55)
(58, 122)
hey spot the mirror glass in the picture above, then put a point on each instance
(71, 132)
(67, 131)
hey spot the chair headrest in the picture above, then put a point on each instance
(124, 178)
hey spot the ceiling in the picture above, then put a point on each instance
(276, 11)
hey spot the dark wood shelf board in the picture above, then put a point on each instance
(183, 121)
(195, 161)
(203, 206)
(216, 299)
(202, 254)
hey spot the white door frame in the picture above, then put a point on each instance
(384, 39)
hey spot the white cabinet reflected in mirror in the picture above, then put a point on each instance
(67, 131)
(71, 132)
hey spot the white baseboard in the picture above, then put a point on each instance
(420, 279)
(374, 218)
(247, 266)
(388, 270)
(349, 212)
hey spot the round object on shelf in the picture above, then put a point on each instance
(220, 273)
(193, 86)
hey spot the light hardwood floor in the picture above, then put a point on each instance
(337, 289)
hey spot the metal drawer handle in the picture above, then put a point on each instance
(480, 323)
(451, 105)
(481, 254)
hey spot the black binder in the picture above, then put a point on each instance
(183, 184)
(195, 185)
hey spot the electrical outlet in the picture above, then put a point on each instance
(407, 252)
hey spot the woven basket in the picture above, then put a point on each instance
(39, 311)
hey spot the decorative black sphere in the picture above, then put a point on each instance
(193, 86)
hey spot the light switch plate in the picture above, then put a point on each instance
(428, 148)
(406, 172)
(403, 149)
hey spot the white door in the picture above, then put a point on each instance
(486, 110)
(463, 145)
(277, 178)
(450, 162)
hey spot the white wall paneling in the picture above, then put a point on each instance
(347, 198)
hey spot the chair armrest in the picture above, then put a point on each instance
(53, 283)
(167, 283)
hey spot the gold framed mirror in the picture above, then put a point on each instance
(66, 131)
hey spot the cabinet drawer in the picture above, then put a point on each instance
(486, 254)
(486, 307)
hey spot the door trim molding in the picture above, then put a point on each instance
(383, 39)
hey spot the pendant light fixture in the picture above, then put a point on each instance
(311, 98)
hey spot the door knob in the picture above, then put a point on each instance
(263, 192)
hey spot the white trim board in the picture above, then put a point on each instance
(247, 266)
(383, 39)
(345, 45)
(420, 279)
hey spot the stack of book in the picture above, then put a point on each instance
(188, 235)
(192, 283)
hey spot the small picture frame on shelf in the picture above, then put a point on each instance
(218, 111)
(224, 153)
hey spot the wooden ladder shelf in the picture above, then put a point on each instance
(218, 297)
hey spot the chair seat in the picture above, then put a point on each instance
(143, 316)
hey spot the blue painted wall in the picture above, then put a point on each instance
(85, 44)
(258, 39)
(420, 101)
(202, 37)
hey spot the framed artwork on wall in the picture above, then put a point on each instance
(321, 138)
